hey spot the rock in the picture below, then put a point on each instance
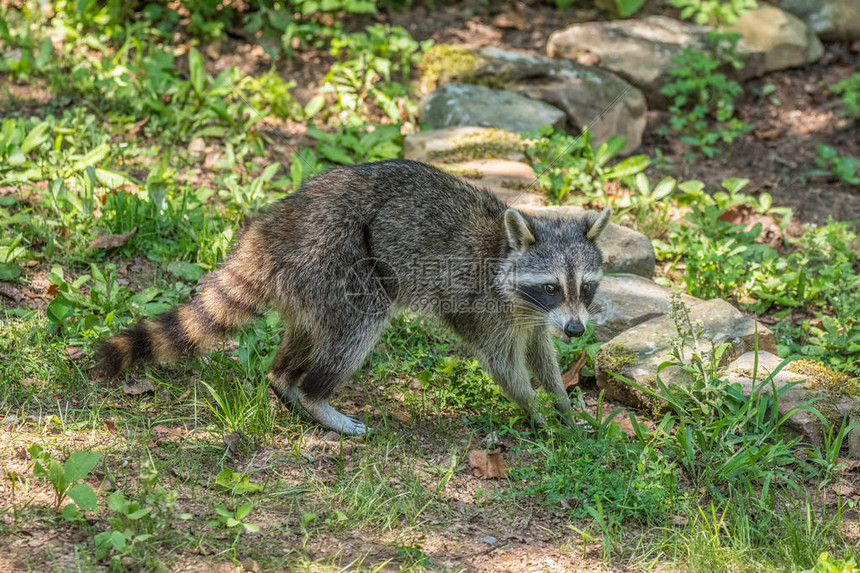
(462, 104)
(626, 300)
(624, 250)
(591, 97)
(457, 144)
(830, 19)
(510, 181)
(786, 40)
(743, 371)
(638, 352)
(641, 50)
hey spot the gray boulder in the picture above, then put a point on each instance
(638, 352)
(463, 104)
(626, 300)
(591, 97)
(830, 19)
(785, 39)
(641, 50)
(812, 387)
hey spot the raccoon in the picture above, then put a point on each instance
(357, 244)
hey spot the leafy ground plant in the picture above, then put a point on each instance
(64, 480)
(703, 98)
(569, 166)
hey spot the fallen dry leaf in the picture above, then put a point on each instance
(487, 465)
(140, 386)
(571, 377)
(74, 352)
(512, 18)
(167, 434)
(135, 128)
(766, 134)
(112, 241)
(110, 426)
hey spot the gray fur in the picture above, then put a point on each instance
(357, 244)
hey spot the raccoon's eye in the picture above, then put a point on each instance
(588, 288)
(550, 288)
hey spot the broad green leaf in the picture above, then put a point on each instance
(335, 154)
(765, 200)
(57, 476)
(71, 513)
(15, 156)
(251, 527)
(84, 496)
(628, 7)
(243, 510)
(734, 184)
(135, 515)
(110, 178)
(663, 189)
(630, 166)
(46, 48)
(59, 308)
(117, 502)
(313, 107)
(195, 68)
(37, 136)
(94, 156)
(9, 271)
(80, 464)
(609, 149)
(185, 270)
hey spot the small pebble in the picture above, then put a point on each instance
(489, 540)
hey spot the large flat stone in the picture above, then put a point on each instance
(473, 105)
(591, 97)
(463, 143)
(638, 352)
(784, 38)
(641, 50)
(755, 375)
(626, 300)
(511, 181)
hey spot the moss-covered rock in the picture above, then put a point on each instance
(445, 63)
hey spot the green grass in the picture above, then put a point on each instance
(716, 488)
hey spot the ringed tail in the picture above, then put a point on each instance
(229, 297)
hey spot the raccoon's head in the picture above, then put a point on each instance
(555, 268)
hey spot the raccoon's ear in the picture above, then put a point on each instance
(599, 225)
(520, 237)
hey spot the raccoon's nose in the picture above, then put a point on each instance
(574, 328)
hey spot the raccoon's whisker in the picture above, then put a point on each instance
(530, 308)
(530, 321)
(533, 300)
(595, 308)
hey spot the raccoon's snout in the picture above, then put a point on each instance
(574, 328)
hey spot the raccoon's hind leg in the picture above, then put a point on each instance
(306, 374)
